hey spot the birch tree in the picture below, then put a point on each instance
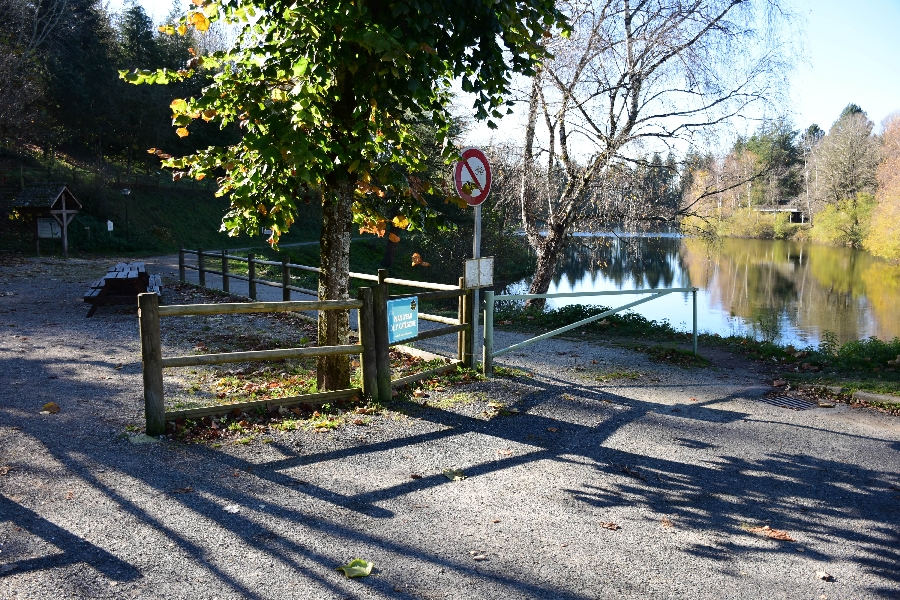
(633, 74)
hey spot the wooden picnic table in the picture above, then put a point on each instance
(121, 285)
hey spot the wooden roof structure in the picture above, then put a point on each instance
(48, 200)
(45, 197)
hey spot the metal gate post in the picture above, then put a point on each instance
(487, 360)
(695, 320)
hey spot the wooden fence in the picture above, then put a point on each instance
(373, 347)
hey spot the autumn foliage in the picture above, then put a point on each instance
(883, 239)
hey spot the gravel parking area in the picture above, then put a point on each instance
(604, 475)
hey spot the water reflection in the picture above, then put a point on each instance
(788, 291)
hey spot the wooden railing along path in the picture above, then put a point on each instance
(373, 347)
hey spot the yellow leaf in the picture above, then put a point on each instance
(182, 132)
(182, 29)
(178, 105)
(199, 20)
(197, 2)
(151, 151)
(209, 114)
(401, 222)
(394, 237)
(200, 177)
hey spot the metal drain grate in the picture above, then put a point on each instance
(788, 402)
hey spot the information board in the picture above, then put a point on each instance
(479, 272)
(403, 319)
(48, 229)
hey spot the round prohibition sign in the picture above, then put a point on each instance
(473, 172)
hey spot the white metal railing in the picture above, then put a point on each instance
(489, 354)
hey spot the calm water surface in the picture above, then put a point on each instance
(792, 292)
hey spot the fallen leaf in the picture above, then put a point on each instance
(495, 521)
(692, 399)
(51, 408)
(70, 495)
(504, 452)
(666, 522)
(775, 534)
(357, 568)
(232, 508)
(479, 557)
(609, 525)
(297, 411)
(5, 470)
(415, 476)
(184, 490)
(552, 429)
(420, 394)
(779, 383)
(824, 575)
(454, 474)
(118, 366)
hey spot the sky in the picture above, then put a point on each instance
(852, 54)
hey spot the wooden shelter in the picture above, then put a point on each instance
(49, 204)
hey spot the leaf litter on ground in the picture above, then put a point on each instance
(357, 568)
(454, 474)
(775, 534)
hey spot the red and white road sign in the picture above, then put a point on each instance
(473, 172)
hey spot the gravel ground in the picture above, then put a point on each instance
(683, 462)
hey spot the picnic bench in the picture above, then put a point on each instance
(121, 285)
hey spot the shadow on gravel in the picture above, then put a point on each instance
(72, 549)
(799, 489)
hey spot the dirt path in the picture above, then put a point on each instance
(688, 465)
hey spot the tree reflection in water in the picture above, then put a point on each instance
(782, 290)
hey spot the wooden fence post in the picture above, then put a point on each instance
(461, 317)
(181, 268)
(285, 279)
(151, 359)
(226, 283)
(469, 309)
(251, 275)
(201, 267)
(368, 364)
(382, 346)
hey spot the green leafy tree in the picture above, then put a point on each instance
(324, 92)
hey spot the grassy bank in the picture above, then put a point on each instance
(870, 365)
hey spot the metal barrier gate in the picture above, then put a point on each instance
(489, 354)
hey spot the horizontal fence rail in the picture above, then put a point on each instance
(286, 268)
(149, 313)
(489, 354)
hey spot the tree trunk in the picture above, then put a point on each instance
(547, 259)
(333, 372)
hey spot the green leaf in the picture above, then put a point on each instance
(357, 568)
(454, 474)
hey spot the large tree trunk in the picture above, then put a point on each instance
(333, 372)
(547, 260)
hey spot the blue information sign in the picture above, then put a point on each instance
(403, 319)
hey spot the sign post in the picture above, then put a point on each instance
(472, 177)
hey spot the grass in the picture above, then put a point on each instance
(674, 356)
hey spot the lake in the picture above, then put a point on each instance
(791, 292)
